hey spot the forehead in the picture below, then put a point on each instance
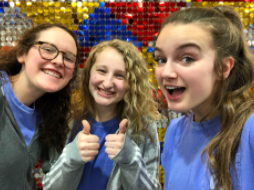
(60, 38)
(110, 57)
(178, 34)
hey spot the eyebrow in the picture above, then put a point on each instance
(58, 48)
(105, 67)
(180, 47)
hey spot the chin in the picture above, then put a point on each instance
(177, 109)
(52, 89)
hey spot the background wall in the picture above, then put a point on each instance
(93, 21)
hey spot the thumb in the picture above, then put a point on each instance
(122, 126)
(86, 127)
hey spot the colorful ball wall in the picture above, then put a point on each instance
(93, 21)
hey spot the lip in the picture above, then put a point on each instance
(104, 95)
(173, 98)
(53, 70)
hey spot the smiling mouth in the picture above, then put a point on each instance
(106, 92)
(175, 91)
(51, 73)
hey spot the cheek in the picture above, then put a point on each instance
(121, 86)
(69, 74)
(158, 72)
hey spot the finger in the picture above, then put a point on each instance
(86, 127)
(92, 139)
(111, 151)
(122, 126)
(89, 146)
(115, 138)
(111, 156)
(88, 158)
(114, 145)
(85, 153)
(111, 137)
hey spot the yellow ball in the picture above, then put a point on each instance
(45, 4)
(74, 4)
(57, 4)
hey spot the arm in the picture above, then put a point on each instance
(139, 167)
(66, 172)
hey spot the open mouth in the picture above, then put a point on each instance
(175, 91)
(106, 91)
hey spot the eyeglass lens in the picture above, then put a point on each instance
(50, 52)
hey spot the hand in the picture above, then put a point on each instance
(114, 142)
(88, 144)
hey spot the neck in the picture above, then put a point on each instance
(205, 114)
(104, 113)
(23, 91)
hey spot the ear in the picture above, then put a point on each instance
(21, 59)
(228, 64)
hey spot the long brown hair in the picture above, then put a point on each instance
(234, 100)
(55, 107)
(137, 105)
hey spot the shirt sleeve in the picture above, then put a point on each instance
(67, 171)
(140, 169)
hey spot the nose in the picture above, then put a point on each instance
(169, 71)
(108, 82)
(58, 61)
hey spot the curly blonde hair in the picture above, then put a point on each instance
(137, 105)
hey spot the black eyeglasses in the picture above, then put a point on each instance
(49, 52)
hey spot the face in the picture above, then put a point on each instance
(185, 67)
(107, 78)
(48, 75)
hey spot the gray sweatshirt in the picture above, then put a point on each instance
(136, 166)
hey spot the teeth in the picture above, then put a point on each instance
(51, 73)
(106, 92)
(172, 88)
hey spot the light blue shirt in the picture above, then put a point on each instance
(181, 159)
(27, 118)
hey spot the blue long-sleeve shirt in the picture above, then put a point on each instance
(184, 142)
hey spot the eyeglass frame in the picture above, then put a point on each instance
(40, 43)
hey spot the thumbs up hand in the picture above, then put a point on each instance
(88, 144)
(114, 142)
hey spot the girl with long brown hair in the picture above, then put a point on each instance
(205, 66)
(35, 102)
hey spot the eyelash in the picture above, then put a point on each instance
(187, 57)
(159, 59)
(117, 75)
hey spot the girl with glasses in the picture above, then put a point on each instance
(35, 102)
(204, 66)
(116, 145)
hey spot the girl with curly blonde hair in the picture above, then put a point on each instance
(117, 144)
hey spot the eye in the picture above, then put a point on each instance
(160, 60)
(101, 71)
(68, 59)
(48, 50)
(120, 76)
(187, 59)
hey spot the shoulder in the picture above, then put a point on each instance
(179, 123)
(249, 124)
(176, 127)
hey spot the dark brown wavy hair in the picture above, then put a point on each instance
(55, 107)
(233, 99)
(137, 105)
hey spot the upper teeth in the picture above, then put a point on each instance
(172, 87)
(51, 73)
(106, 92)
